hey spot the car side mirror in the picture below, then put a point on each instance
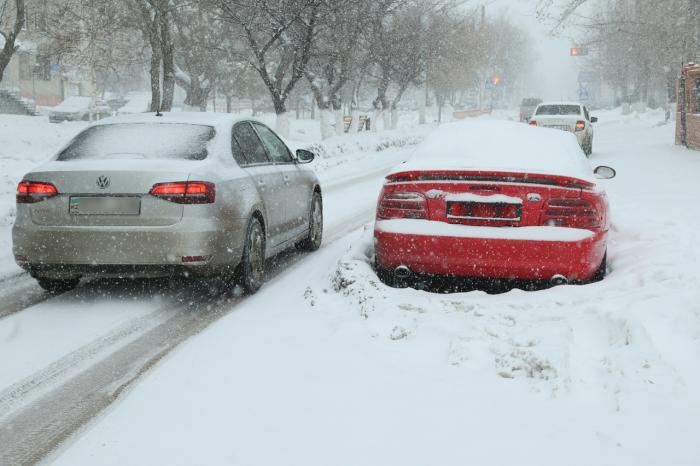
(604, 173)
(305, 156)
(594, 119)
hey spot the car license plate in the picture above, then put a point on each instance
(561, 127)
(105, 205)
(484, 211)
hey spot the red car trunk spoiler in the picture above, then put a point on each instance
(490, 176)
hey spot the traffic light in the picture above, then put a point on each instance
(578, 51)
(496, 80)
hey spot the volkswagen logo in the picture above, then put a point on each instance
(102, 182)
(534, 197)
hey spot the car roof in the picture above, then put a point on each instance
(562, 103)
(193, 118)
(503, 146)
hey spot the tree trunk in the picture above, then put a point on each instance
(282, 124)
(155, 80)
(326, 123)
(167, 49)
(228, 103)
(10, 47)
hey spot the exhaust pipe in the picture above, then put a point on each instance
(557, 280)
(402, 272)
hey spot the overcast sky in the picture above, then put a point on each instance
(554, 73)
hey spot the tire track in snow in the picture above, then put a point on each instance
(31, 387)
(19, 292)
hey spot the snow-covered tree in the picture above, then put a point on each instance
(280, 35)
(12, 18)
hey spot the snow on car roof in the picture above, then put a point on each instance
(561, 103)
(194, 118)
(491, 145)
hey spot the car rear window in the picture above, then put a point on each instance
(559, 110)
(180, 141)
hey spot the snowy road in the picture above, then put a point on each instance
(327, 366)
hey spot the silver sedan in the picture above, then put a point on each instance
(178, 194)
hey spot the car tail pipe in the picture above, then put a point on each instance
(402, 272)
(558, 280)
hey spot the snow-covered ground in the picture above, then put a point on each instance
(326, 365)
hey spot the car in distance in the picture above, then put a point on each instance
(156, 196)
(567, 116)
(79, 108)
(527, 107)
(493, 199)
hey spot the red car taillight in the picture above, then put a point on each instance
(532, 123)
(580, 125)
(572, 213)
(400, 204)
(29, 192)
(185, 192)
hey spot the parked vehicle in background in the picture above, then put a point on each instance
(494, 199)
(527, 107)
(79, 108)
(567, 116)
(136, 102)
(191, 194)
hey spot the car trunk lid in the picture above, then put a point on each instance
(107, 193)
(495, 199)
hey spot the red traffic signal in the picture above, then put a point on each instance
(578, 51)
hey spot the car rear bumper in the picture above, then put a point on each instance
(126, 251)
(577, 258)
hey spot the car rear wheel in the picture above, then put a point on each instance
(56, 285)
(313, 241)
(253, 260)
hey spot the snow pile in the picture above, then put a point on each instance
(500, 146)
(341, 156)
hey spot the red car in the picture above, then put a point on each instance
(494, 199)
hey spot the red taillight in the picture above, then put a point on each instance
(572, 213)
(31, 191)
(580, 125)
(532, 123)
(185, 192)
(400, 204)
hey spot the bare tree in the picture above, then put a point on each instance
(335, 54)
(15, 21)
(280, 35)
(155, 23)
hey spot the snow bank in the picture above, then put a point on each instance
(500, 146)
(347, 156)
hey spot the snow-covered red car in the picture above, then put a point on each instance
(494, 199)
